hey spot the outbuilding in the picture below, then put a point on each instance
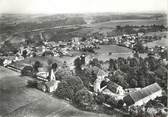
(142, 96)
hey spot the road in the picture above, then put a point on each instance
(18, 100)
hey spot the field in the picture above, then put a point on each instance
(34, 25)
(18, 100)
(110, 25)
(162, 42)
(117, 51)
(103, 53)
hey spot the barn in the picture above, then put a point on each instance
(142, 96)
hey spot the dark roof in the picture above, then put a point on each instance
(140, 94)
(112, 86)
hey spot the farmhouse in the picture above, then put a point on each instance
(142, 96)
(115, 88)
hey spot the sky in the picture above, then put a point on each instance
(81, 6)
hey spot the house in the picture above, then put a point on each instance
(100, 77)
(76, 40)
(115, 88)
(142, 96)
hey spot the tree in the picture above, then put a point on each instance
(8, 48)
(112, 102)
(84, 98)
(24, 54)
(133, 83)
(100, 99)
(120, 103)
(68, 87)
(64, 91)
(112, 65)
(75, 83)
(139, 47)
(36, 65)
(77, 63)
(153, 63)
(95, 62)
(63, 73)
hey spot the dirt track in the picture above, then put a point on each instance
(17, 100)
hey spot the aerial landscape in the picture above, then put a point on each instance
(103, 64)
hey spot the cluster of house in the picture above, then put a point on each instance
(77, 44)
(127, 40)
(132, 97)
(159, 51)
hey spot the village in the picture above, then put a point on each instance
(135, 85)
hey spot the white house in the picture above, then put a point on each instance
(115, 88)
(100, 77)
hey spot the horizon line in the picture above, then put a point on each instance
(108, 12)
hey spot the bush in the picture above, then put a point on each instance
(84, 98)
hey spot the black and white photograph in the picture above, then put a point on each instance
(83, 58)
